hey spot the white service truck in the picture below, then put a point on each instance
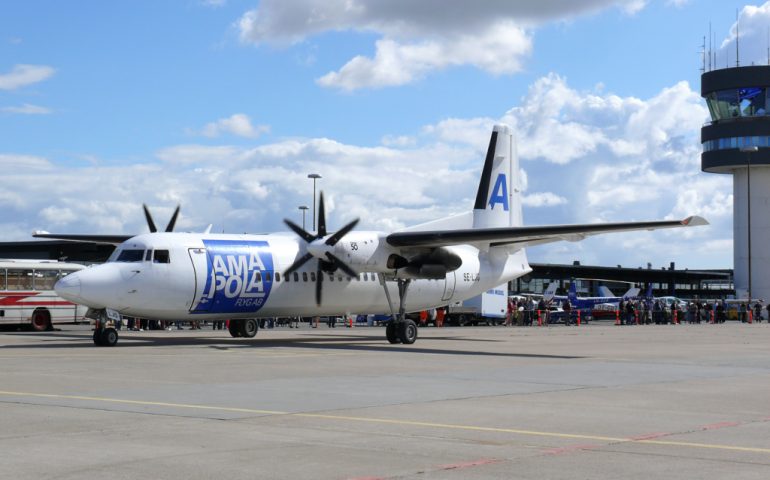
(490, 307)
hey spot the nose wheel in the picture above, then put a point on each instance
(105, 337)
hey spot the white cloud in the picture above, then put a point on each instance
(213, 3)
(752, 26)
(398, 140)
(23, 75)
(27, 109)
(416, 38)
(14, 163)
(237, 124)
(635, 165)
(497, 50)
(544, 199)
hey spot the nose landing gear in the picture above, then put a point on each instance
(105, 333)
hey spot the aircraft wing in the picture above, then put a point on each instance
(104, 239)
(523, 236)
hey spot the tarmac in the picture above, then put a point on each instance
(557, 402)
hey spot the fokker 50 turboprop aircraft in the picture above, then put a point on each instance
(207, 276)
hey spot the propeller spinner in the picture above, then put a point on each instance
(321, 248)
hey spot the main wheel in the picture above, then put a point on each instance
(391, 332)
(41, 320)
(235, 328)
(109, 337)
(407, 332)
(98, 337)
(249, 327)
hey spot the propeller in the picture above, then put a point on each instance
(151, 223)
(320, 246)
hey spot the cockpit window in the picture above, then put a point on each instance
(161, 256)
(130, 256)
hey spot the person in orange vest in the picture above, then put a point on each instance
(440, 317)
(423, 317)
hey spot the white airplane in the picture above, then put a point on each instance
(208, 276)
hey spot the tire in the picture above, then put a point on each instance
(235, 328)
(249, 327)
(109, 337)
(41, 320)
(407, 332)
(98, 337)
(391, 333)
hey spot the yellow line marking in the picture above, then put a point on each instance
(386, 421)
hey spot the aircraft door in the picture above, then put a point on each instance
(449, 287)
(202, 266)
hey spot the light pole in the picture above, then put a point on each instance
(748, 151)
(315, 177)
(304, 209)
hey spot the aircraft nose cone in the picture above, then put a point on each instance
(69, 287)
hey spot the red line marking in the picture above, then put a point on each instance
(716, 426)
(573, 448)
(474, 463)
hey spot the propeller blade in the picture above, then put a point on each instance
(341, 265)
(297, 263)
(341, 233)
(318, 281)
(172, 222)
(321, 217)
(296, 229)
(147, 215)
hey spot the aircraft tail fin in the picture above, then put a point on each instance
(631, 293)
(572, 295)
(549, 292)
(605, 292)
(498, 198)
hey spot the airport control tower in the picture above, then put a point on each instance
(737, 141)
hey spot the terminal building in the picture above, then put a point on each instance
(737, 142)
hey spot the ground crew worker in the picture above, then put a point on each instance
(440, 317)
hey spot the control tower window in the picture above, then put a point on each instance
(741, 102)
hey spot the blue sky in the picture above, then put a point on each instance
(225, 106)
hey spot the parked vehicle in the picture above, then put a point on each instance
(490, 308)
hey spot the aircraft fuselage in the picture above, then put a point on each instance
(187, 276)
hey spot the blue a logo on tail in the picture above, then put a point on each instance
(499, 193)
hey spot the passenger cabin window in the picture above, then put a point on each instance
(130, 256)
(161, 256)
(258, 276)
(277, 276)
(304, 276)
(19, 279)
(296, 277)
(45, 279)
(312, 276)
(267, 277)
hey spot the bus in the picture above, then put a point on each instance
(27, 296)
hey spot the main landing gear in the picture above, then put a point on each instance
(400, 329)
(243, 327)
